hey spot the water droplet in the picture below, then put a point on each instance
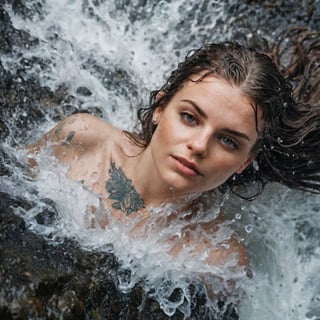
(225, 245)
(310, 162)
(248, 228)
(238, 216)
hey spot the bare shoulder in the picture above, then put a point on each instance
(80, 136)
(83, 126)
(79, 129)
(203, 237)
(230, 252)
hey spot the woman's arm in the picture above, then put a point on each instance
(200, 242)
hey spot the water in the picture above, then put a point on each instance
(105, 57)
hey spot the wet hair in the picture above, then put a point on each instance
(288, 148)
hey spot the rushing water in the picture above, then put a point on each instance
(107, 56)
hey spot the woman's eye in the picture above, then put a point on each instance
(188, 118)
(230, 143)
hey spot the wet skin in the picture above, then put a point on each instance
(203, 136)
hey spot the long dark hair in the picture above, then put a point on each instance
(288, 149)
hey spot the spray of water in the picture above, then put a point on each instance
(109, 55)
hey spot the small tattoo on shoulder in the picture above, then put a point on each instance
(121, 190)
(68, 138)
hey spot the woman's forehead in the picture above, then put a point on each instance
(208, 76)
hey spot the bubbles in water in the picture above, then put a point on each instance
(248, 228)
(238, 216)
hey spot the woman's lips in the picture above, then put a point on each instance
(186, 167)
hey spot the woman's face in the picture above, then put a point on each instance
(204, 135)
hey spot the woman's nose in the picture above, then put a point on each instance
(199, 144)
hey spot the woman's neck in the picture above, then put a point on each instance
(148, 182)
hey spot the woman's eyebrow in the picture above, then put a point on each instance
(227, 130)
(199, 110)
(237, 133)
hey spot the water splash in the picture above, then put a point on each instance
(108, 56)
(144, 253)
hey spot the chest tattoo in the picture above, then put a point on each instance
(120, 188)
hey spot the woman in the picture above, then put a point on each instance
(225, 119)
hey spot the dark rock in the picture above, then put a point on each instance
(84, 91)
(42, 279)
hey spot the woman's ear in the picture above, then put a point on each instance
(158, 111)
(245, 164)
(157, 115)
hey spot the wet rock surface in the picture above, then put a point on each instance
(40, 279)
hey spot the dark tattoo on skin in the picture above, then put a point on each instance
(68, 138)
(60, 126)
(121, 190)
